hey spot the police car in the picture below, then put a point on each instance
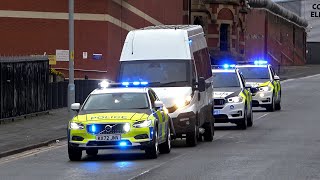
(120, 118)
(232, 99)
(262, 76)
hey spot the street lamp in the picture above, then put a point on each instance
(71, 86)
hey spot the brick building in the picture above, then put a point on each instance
(224, 23)
(239, 30)
(41, 26)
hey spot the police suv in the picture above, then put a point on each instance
(120, 118)
(268, 88)
(232, 99)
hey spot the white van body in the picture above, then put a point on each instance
(172, 59)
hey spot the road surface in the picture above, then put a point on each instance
(280, 145)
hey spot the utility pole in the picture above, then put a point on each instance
(71, 86)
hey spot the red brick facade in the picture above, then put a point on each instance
(274, 38)
(100, 27)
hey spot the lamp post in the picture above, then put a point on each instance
(71, 86)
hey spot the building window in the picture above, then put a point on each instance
(224, 37)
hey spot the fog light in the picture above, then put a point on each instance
(262, 95)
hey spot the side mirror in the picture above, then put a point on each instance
(201, 84)
(277, 78)
(158, 104)
(75, 106)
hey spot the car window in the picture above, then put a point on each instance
(255, 72)
(225, 79)
(116, 101)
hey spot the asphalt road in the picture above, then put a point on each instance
(280, 145)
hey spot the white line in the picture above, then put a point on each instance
(307, 77)
(29, 153)
(137, 12)
(261, 117)
(159, 165)
(65, 16)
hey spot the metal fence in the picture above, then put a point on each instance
(24, 83)
(58, 92)
(25, 87)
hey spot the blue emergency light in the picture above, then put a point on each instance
(227, 66)
(135, 84)
(260, 62)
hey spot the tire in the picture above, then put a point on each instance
(152, 152)
(192, 137)
(74, 153)
(92, 152)
(271, 107)
(250, 119)
(278, 104)
(243, 124)
(165, 148)
(208, 133)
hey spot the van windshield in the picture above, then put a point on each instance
(165, 73)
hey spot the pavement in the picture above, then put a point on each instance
(33, 132)
(281, 145)
(42, 130)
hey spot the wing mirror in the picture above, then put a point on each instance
(202, 84)
(277, 78)
(75, 106)
(158, 104)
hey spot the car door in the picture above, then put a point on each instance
(275, 83)
(160, 116)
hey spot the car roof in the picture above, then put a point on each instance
(120, 90)
(252, 65)
(224, 70)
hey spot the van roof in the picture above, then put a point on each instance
(168, 42)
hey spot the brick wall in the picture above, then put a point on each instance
(39, 26)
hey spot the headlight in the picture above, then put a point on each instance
(266, 88)
(74, 125)
(235, 99)
(142, 124)
(182, 102)
(126, 127)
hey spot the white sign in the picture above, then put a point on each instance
(62, 55)
(85, 55)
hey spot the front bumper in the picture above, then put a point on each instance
(262, 98)
(229, 112)
(135, 138)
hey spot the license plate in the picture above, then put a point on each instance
(108, 137)
(216, 112)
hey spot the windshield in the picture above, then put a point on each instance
(255, 72)
(172, 73)
(116, 101)
(224, 79)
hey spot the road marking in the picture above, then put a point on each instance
(307, 77)
(30, 153)
(159, 165)
(262, 116)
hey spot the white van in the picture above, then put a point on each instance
(174, 60)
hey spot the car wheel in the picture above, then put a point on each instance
(165, 148)
(192, 137)
(272, 107)
(278, 104)
(74, 153)
(250, 119)
(152, 152)
(243, 124)
(92, 152)
(208, 129)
